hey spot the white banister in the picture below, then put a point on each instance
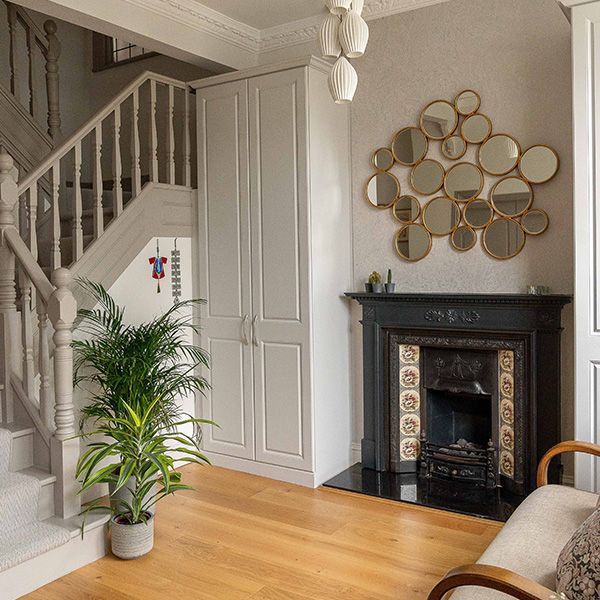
(117, 165)
(187, 144)
(46, 397)
(171, 136)
(153, 135)
(98, 182)
(77, 227)
(136, 173)
(26, 333)
(52, 81)
(55, 203)
(32, 209)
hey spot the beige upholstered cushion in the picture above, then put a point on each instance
(533, 538)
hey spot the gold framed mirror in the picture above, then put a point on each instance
(427, 177)
(383, 159)
(535, 221)
(478, 213)
(503, 238)
(441, 216)
(439, 119)
(454, 147)
(413, 242)
(511, 196)
(406, 209)
(382, 189)
(467, 103)
(463, 181)
(499, 154)
(410, 146)
(463, 238)
(539, 164)
(476, 129)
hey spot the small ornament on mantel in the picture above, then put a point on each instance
(176, 273)
(158, 263)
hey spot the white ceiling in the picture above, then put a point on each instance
(262, 14)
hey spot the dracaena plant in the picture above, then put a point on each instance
(138, 454)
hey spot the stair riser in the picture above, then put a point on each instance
(21, 455)
(46, 501)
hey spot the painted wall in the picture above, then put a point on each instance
(517, 55)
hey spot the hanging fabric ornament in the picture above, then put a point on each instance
(176, 273)
(158, 263)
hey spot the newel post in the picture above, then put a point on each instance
(52, 80)
(9, 336)
(62, 310)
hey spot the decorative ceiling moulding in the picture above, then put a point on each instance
(197, 16)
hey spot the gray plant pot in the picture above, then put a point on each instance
(378, 288)
(125, 494)
(132, 541)
(369, 288)
(390, 288)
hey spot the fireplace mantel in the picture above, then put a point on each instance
(529, 323)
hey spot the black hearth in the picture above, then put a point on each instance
(461, 398)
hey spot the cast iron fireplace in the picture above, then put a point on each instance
(461, 398)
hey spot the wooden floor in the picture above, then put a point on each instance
(239, 537)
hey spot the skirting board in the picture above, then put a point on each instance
(37, 572)
(264, 470)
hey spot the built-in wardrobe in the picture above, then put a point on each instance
(273, 253)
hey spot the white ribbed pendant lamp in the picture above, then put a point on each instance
(329, 37)
(354, 35)
(338, 7)
(358, 5)
(343, 81)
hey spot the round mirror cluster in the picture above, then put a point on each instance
(453, 203)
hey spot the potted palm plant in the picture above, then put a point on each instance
(135, 376)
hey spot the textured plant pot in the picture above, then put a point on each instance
(132, 541)
(390, 288)
(378, 288)
(125, 494)
(369, 288)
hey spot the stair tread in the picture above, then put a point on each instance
(43, 477)
(18, 429)
(73, 524)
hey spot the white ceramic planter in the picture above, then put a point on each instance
(132, 541)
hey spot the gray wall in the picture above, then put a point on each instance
(516, 53)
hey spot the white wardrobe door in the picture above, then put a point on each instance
(224, 266)
(278, 175)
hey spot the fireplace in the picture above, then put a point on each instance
(461, 398)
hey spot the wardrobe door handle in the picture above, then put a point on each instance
(244, 334)
(254, 338)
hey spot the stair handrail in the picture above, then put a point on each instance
(69, 144)
(54, 302)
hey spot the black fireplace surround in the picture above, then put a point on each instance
(461, 338)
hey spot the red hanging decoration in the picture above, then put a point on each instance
(158, 263)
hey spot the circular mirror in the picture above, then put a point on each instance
(503, 238)
(476, 129)
(539, 164)
(511, 196)
(441, 216)
(535, 221)
(407, 209)
(409, 146)
(383, 159)
(383, 189)
(454, 147)
(463, 238)
(463, 181)
(413, 242)
(499, 155)
(439, 119)
(478, 213)
(467, 102)
(427, 177)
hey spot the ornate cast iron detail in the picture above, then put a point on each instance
(451, 316)
(369, 313)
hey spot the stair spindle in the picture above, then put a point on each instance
(52, 81)
(31, 79)
(46, 399)
(117, 165)
(98, 183)
(171, 137)
(153, 134)
(77, 228)
(12, 56)
(55, 259)
(26, 332)
(136, 172)
(32, 209)
(187, 145)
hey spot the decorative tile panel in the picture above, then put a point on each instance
(506, 386)
(409, 401)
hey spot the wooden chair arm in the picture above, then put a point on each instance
(493, 578)
(586, 447)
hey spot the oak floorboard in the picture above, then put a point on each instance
(241, 537)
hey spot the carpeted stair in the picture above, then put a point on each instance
(22, 535)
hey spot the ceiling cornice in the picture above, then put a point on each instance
(206, 20)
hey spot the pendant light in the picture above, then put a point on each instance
(338, 7)
(354, 34)
(343, 81)
(329, 37)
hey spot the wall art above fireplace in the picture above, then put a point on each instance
(491, 198)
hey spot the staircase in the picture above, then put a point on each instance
(91, 205)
